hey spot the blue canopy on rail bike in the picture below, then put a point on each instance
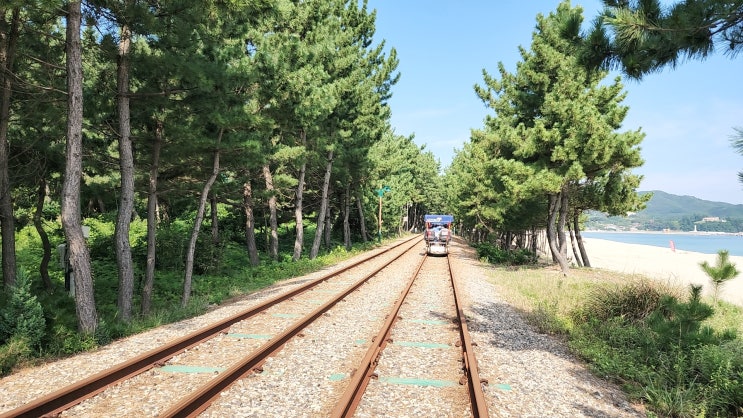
(437, 233)
(440, 219)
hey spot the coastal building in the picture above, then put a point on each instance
(712, 219)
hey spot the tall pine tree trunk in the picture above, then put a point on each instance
(250, 223)
(191, 250)
(579, 240)
(298, 219)
(126, 163)
(77, 249)
(555, 204)
(347, 216)
(214, 211)
(323, 208)
(273, 243)
(561, 222)
(328, 234)
(152, 220)
(574, 247)
(551, 228)
(46, 246)
(298, 208)
(8, 41)
(362, 220)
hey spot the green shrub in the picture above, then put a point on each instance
(28, 244)
(494, 255)
(633, 301)
(661, 349)
(22, 316)
(68, 341)
(614, 348)
(719, 368)
(101, 239)
(547, 320)
(680, 324)
(172, 242)
(12, 353)
(171, 245)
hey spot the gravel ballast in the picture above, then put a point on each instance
(529, 374)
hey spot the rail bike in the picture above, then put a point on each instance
(437, 233)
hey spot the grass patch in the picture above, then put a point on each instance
(39, 324)
(679, 354)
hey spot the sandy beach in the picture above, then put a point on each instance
(674, 267)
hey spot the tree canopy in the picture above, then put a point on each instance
(257, 121)
(643, 36)
(552, 142)
(263, 113)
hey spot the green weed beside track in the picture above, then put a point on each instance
(679, 354)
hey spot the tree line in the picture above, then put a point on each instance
(553, 147)
(275, 109)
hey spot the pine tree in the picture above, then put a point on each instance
(23, 316)
(721, 272)
(642, 37)
(9, 29)
(553, 128)
(87, 314)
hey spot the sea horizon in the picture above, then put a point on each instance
(694, 241)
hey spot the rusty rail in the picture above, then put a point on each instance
(71, 395)
(351, 398)
(360, 379)
(200, 400)
(474, 383)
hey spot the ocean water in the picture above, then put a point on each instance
(700, 243)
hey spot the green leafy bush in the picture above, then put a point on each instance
(661, 349)
(494, 255)
(13, 352)
(681, 324)
(69, 341)
(22, 316)
(720, 370)
(172, 242)
(632, 301)
(100, 241)
(22, 324)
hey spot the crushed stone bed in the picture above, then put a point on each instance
(529, 374)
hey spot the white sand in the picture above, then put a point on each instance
(675, 267)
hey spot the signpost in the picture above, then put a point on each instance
(380, 192)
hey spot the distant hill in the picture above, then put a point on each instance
(666, 206)
(665, 211)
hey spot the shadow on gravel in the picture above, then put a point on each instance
(266, 292)
(540, 362)
(546, 358)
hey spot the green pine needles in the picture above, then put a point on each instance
(22, 324)
(721, 272)
(23, 316)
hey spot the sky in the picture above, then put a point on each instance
(688, 113)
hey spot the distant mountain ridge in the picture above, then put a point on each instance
(669, 206)
(665, 211)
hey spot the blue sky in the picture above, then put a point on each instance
(688, 113)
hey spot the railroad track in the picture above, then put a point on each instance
(423, 343)
(255, 340)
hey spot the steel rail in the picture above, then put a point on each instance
(477, 396)
(68, 396)
(202, 398)
(351, 397)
